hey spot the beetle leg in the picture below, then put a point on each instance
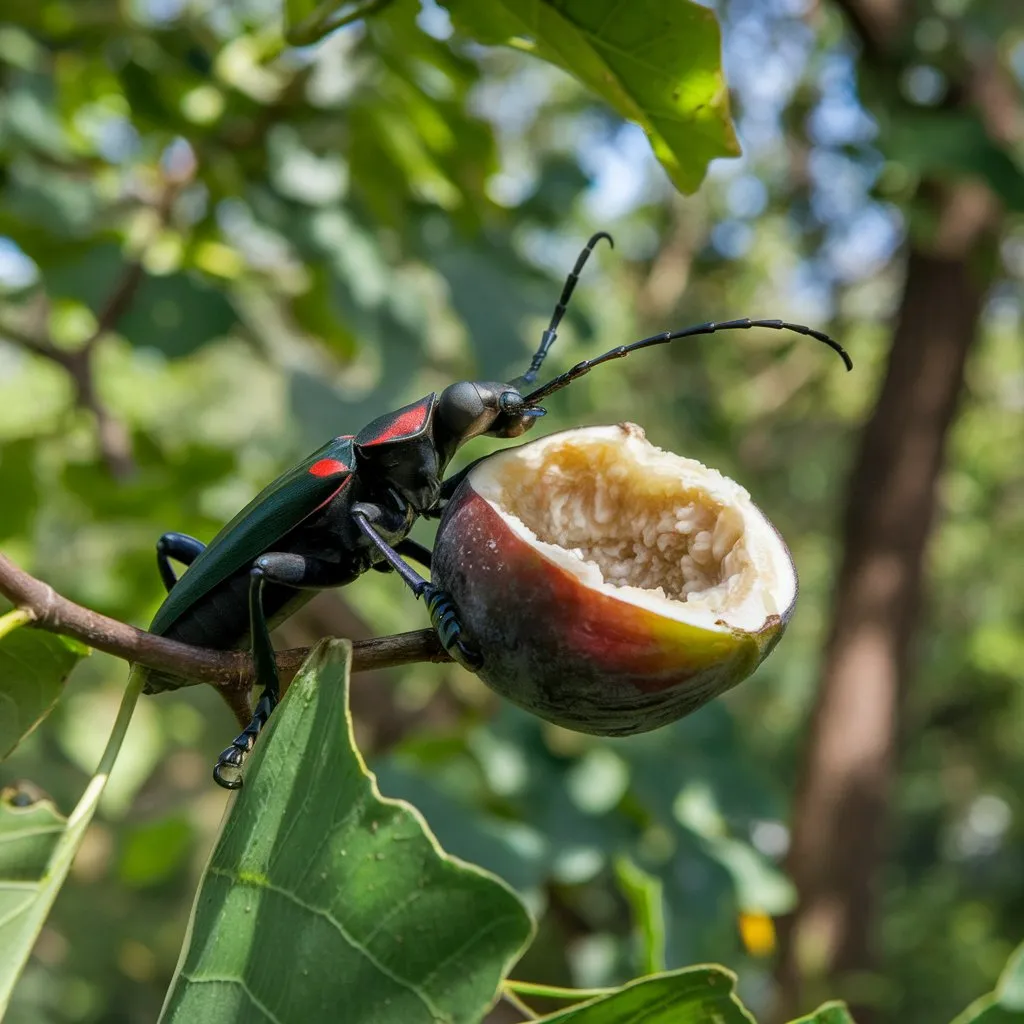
(286, 569)
(443, 613)
(182, 548)
(409, 548)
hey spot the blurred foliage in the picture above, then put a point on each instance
(1006, 1004)
(34, 666)
(330, 231)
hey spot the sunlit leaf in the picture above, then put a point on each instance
(654, 61)
(33, 667)
(322, 894)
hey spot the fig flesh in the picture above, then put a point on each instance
(611, 587)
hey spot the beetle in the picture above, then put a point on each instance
(349, 507)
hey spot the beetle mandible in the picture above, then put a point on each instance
(349, 507)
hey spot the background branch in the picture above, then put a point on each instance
(113, 436)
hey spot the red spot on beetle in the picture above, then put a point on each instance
(409, 422)
(328, 467)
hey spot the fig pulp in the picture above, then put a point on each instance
(611, 587)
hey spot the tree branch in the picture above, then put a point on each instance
(113, 436)
(878, 24)
(229, 671)
(120, 297)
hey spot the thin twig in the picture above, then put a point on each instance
(513, 1000)
(113, 436)
(120, 298)
(114, 439)
(230, 671)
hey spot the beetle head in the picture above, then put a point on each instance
(469, 408)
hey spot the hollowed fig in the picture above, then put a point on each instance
(610, 586)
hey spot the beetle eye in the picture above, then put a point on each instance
(511, 403)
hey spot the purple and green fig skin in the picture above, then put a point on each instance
(569, 653)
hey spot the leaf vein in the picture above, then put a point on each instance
(240, 982)
(434, 1011)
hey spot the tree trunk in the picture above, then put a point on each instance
(839, 815)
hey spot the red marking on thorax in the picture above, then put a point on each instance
(328, 467)
(410, 422)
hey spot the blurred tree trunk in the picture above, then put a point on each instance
(839, 816)
(840, 810)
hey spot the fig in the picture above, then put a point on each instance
(610, 586)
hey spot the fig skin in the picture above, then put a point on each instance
(571, 654)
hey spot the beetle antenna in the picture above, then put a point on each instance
(547, 339)
(564, 379)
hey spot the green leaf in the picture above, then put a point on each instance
(310, 20)
(828, 1013)
(37, 847)
(1006, 1004)
(28, 836)
(154, 851)
(21, 494)
(656, 62)
(955, 145)
(33, 667)
(644, 893)
(323, 894)
(176, 313)
(315, 311)
(693, 995)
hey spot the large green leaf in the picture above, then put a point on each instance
(323, 894)
(693, 995)
(33, 667)
(657, 62)
(1006, 1004)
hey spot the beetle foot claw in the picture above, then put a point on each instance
(227, 772)
(445, 618)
